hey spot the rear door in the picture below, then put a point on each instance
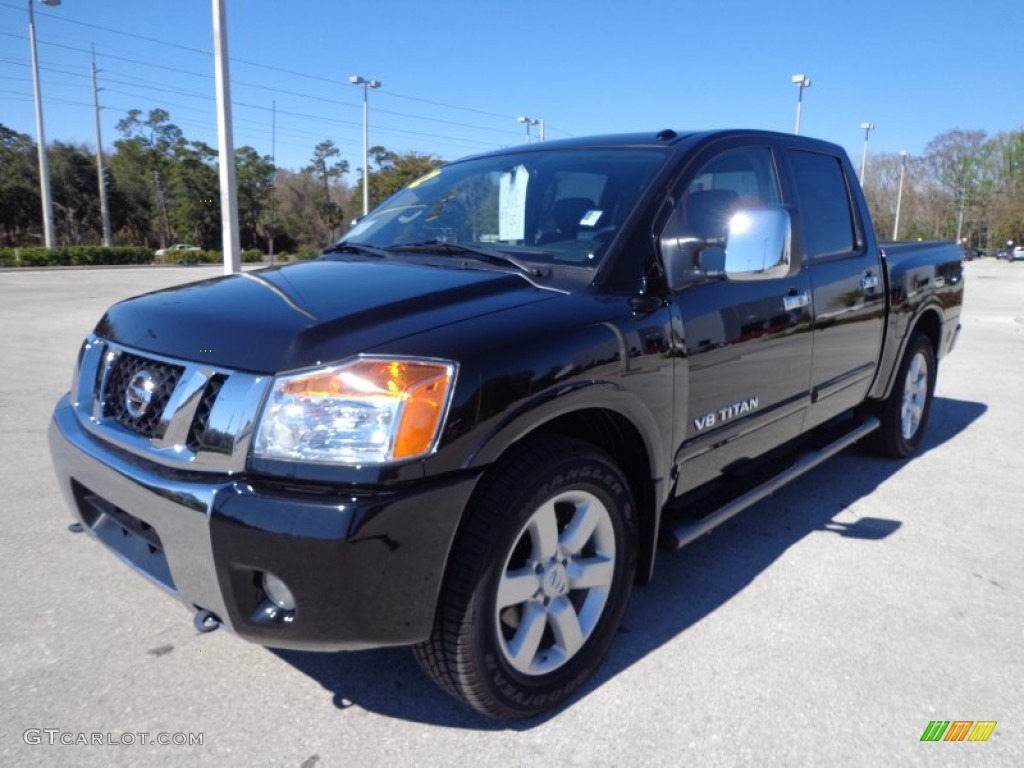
(847, 291)
(743, 375)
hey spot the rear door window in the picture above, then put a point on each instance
(825, 205)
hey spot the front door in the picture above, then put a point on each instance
(746, 345)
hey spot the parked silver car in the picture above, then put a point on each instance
(162, 254)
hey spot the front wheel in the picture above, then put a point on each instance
(904, 414)
(538, 583)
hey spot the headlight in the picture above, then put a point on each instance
(368, 411)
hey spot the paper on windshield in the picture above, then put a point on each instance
(512, 204)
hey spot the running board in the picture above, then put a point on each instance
(678, 536)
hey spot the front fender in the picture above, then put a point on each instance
(532, 414)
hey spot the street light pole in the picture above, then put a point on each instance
(367, 84)
(49, 236)
(801, 81)
(230, 239)
(528, 121)
(868, 128)
(899, 195)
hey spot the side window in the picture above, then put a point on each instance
(734, 179)
(826, 213)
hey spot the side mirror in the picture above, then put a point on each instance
(759, 245)
(682, 259)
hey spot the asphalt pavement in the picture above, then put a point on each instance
(827, 625)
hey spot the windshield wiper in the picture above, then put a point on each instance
(344, 246)
(458, 249)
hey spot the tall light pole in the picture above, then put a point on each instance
(44, 165)
(230, 240)
(367, 84)
(528, 121)
(867, 128)
(801, 81)
(899, 195)
(108, 239)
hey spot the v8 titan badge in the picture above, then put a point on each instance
(722, 415)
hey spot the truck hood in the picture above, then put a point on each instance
(301, 315)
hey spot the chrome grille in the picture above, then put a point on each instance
(197, 434)
(165, 377)
(199, 417)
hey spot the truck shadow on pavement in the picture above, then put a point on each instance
(687, 586)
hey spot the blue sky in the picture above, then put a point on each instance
(457, 73)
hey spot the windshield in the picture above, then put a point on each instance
(557, 206)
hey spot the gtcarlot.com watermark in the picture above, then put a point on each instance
(54, 736)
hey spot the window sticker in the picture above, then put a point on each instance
(590, 218)
(512, 204)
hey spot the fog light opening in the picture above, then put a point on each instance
(277, 592)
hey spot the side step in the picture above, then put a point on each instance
(678, 536)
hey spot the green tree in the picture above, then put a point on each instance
(192, 193)
(131, 193)
(151, 143)
(954, 160)
(20, 207)
(297, 197)
(75, 193)
(1004, 204)
(255, 180)
(390, 171)
(325, 167)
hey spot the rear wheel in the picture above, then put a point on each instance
(904, 414)
(538, 582)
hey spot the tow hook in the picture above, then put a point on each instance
(75, 528)
(205, 621)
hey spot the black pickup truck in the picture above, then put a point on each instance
(470, 424)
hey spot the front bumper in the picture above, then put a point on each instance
(365, 567)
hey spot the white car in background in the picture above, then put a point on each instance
(162, 254)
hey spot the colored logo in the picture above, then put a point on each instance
(959, 730)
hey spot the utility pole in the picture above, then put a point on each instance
(108, 239)
(273, 179)
(225, 143)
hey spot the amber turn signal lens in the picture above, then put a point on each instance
(421, 414)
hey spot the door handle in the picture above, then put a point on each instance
(869, 282)
(794, 300)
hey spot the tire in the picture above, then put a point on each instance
(538, 581)
(904, 413)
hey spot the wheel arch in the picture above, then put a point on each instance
(629, 436)
(618, 437)
(928, 321)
